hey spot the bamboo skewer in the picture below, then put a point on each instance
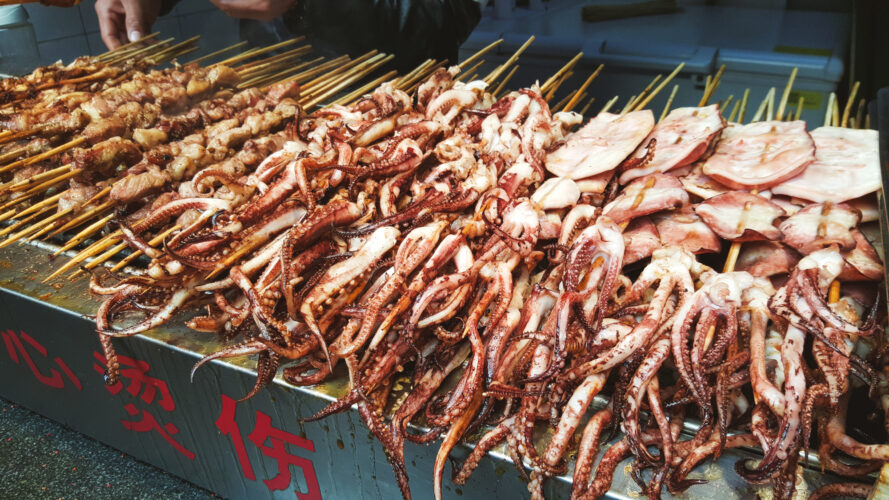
(660, 87)
(258, 51)
(558, 75)
(629, 105)
(786, 95)
(587, 106)
(21, 185)
(849, 102)
(24, 162)
(107, 255)
(577, 97)
(506, 80)
(471, 70)
(357, 93)
(760, 111)
(667, 106)
(561, 104)
(84, 234)
(211, 55)
(25, 221)
(711, 86)
(609, 104)
(34, 227)
(835, 119)
(743, 108)
(555, 87)
(37, 206)
(84, 217)
(484, 50)
(642, 95)
(126, 46)
(418, 80)
(727, 102)
(799, 107)
(734, 113)
(509, 62)
(345, 82)
(86, 253)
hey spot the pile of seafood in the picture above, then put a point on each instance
(546, 262)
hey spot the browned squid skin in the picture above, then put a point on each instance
(854, 490)
(647, 371)
(335, 213)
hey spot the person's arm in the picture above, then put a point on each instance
(122, 21)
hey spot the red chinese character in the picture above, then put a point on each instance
(278, 450)
(227, 425)
(136, 371)
(54, 379)
(149, 423)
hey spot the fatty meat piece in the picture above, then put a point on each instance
(740, 216)
(819, 226)
(645, 196)
(641, 239)
(683, 228)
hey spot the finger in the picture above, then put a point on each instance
(109, 27)
(135, 22)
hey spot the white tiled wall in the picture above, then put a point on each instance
(65, 33)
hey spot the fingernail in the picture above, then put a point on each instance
(135, 35)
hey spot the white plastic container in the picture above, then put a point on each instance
(759, 47)
(18, 45)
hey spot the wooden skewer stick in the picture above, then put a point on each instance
(86, 253)
(828, 112)
(35, 227)
(786, 95)
(760, 111)
(211, 55)
(142, 51)
(351, 80)
(734, 113)
(19, 135)
(127, 46)
(25, 184)
(561, 104)
(25, 221)
(576, 99)
(506, 80)
(770, 106)
(849, 102)
(484, 50)
(420, 78)
(85, 233)
(329, 80)
(85, 216)
(660, 87)
(611, 102)
(743, 108)
(400, 82)
(558, 75)
(667, 106)
(645, 91)
(133, 256)
(728, 102)
(629, 105)
(799, 107)
(274, 61)
(311, 73)
(43, 186)
(341, 68)
(264, 81)
(471, 70)
(255, 52)
(101, 259)
(357, 93)
(862, 111)
(711, 86)
(835, 119)
(555, 87)
(509, 62)
(587, 106)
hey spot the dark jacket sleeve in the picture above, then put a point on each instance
(411, 30)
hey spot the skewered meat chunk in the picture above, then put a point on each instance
(683, 228)
(761, 154)
(600, 145)
(846, 166)
(681, 138)
(740, 216)
(645, 196)
(819, 226)
(106, 156)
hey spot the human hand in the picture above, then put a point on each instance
(122, 21)
(262, 10)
